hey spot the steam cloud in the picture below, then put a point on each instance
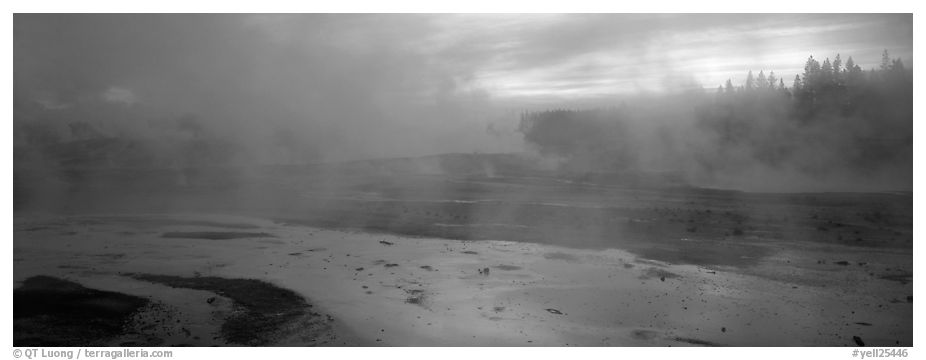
(175, 91)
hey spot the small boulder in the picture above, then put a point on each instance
(858, 341)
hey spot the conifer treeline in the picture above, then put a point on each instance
(841, 114)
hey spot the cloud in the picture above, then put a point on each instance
(119, 95)
(516, 51)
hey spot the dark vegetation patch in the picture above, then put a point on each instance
(470, 252)
(49, 311)
(111, 256)
(703, 253)
(640, 334)
(265, 308)
(214, 235)
(507, 267)
(138, 221)
(903, 277)
(662, 274)
(697, 341)
(37, 228)
(560, 256)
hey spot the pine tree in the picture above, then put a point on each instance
(750, 81)
(885, 61)
(826, 72)
(897, 65)
(728, 87)
(851, 67)
(772, 80)
(837, 64)
(811, 72)
(761, 81)
(853, 73)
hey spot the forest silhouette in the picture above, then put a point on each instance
(835, 119)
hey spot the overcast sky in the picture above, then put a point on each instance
(340, 71)
(506, 55)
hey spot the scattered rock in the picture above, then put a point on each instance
(384, 242)
(858, 341)
(210, 300)
(863, 323)
(470, 252)
(415, 296)
(554, 311)
(391, 265)
(843, 263)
